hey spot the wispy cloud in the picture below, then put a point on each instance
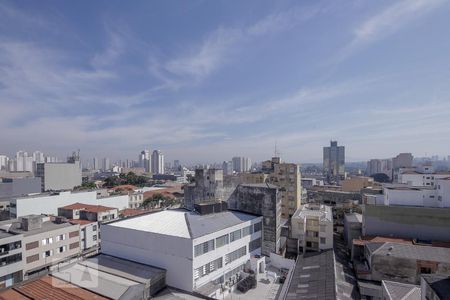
(203, 59)
(387, 22)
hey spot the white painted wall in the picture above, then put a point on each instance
(49, 204)
(203, 259)
(171, 253)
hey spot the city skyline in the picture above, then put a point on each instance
(108, 80)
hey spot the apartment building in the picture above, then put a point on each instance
(89, 234)
(288, 178)
(201, 253)
(312, 226)
(45, 242)
(11, 258)
(97, 213)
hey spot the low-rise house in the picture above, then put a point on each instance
(97, 213)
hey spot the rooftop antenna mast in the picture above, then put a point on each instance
(276, 153)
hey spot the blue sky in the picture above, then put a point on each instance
(207, 80)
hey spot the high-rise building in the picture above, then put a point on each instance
(145, 160)
(38, 157)
(96, 164)
(241, 164)
(4, 162)
(106, 164)
(176, 164)
(157, 162)
(227, 167)
(403, 160)
(24, 163)
(287, 177)
(334, 162)
(60, 176)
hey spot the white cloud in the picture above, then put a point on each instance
(202, 60)
(387, 22)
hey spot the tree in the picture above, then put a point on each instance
(380, 177)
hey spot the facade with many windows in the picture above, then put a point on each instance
(11, 259)
(198, 251)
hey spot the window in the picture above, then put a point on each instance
(255, 244)
(94, 228)
(257, 227)
(208, 268)
(47, 253)
(61, 237)
(235, 235)
(94, 237)
(323, 228)
(247, 230)
(47, 241)
(61, 249)
(232, 256)
(221, 241)
(425, 270)
(322, 240)
(204, 248)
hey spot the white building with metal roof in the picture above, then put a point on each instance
(201, 253)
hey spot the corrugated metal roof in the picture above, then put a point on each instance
(398, 291)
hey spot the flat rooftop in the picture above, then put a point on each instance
(321, 211)
(184, 223)
(353, 218)
(418, 252)
(313, 277)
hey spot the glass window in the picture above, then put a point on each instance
(221, 241)
(257, 227)
(322, 240)
(208, 268)
(255, 244)
(232, 256)
(247, 230)
(235, 235)
(204, 247)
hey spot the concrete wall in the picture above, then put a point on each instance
(20, 186)
(48, 204)
(56, 257)
(352, 230)
(401, 269)
(59, 176)
(173, 254)
(262, 201)
(407, 222)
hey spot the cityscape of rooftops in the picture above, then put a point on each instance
(225, 149)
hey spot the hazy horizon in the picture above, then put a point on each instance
(205, 81)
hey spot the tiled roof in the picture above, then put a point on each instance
(88, 207)
(81, 222)
(50, 288)
(12, 295)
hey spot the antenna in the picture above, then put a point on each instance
(276, 153)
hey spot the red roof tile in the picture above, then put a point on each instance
(88, 207)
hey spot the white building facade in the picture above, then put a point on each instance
(196, 250)
(49, 203)
(312, 225)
